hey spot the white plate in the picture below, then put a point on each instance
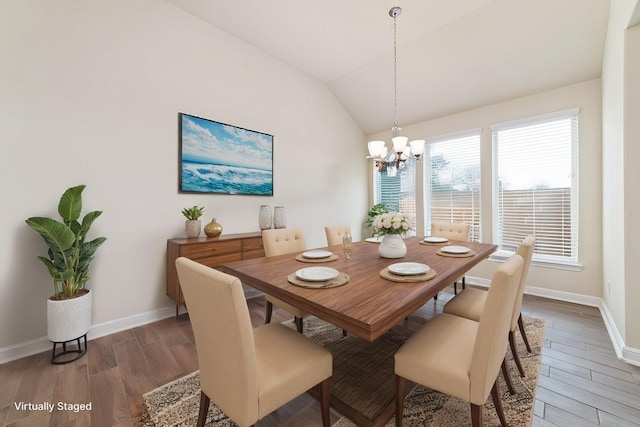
(434, 239)
(316, 254)
(316, 274)
(455, 249)
(408, 268)
(373, 239)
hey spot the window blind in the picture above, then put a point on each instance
(454, 182)
(398, 192)
(536, 185)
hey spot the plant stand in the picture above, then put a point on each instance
(80, 351)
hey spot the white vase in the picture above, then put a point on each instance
(392, 246)
(265, 220)
(69, 319)
(279, 217)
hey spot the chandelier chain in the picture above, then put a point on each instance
(395, 77)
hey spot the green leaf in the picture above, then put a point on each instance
(56, 234)
(70, 204)
(87, 221)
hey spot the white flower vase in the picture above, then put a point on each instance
(392, 246)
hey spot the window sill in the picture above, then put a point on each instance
(502, 255)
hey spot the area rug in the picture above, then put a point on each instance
(176, 403)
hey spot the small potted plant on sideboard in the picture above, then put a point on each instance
(192, 225)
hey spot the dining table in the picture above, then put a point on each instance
(368, 304)
(366, 298)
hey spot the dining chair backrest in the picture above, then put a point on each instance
(491, 342)
(335, 232)
(525, 250)
(450, 230)
(280, 241)
(224, 339)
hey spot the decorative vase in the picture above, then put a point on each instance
(193, 228)
(213, 229)
(69, 319)
(265, 220)
(279, 218)
(392, 246)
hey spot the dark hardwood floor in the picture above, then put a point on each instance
(581, 381)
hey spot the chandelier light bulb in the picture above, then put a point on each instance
(417, 147)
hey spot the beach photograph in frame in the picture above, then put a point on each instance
(220, 158)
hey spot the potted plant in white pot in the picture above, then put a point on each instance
(69, 257)
(192, 225)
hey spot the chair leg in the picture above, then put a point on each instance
(455, 288)
(464, 284)
(524, 335)
(400, 382)
(507, 377)
(514, 352)
(476, 415)
(495, 393)
(299, 324)
(268, 310)
(344, 332)
(204, 408)
(324, 402)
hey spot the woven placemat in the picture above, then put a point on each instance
(341, 279)
(422, 242)
(331, 257)
(386, 274)
(468, 254)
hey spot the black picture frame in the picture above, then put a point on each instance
(216, 157)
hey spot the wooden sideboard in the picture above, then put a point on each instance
(210, 251)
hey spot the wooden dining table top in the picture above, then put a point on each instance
(368, 305)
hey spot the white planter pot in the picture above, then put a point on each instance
(69, 319)
(193, 227)
(392, 246)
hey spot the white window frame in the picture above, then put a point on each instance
(563, 262)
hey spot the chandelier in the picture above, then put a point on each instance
(391, 161)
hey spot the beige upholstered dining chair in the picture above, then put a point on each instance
(280, 241)
(335, 232)
(470, 302)
(248, 373)
(452, 231)
(459, 356)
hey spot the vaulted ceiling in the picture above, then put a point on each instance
(453, 55)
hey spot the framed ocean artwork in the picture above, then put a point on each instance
(220, 158)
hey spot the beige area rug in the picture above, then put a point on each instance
(176, 403)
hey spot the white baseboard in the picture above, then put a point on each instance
(27, 348)
(42, 344)
(627, 354)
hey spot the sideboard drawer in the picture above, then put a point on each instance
(207, 250)
(214, 261)
(252, 245)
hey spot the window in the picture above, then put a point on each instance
(536, 185)
(453, 187)
(398, 190)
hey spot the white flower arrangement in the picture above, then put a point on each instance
(391, 223)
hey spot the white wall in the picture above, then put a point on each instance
(586, 96)
(613, 163)
(621, 201)
(90, 93)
